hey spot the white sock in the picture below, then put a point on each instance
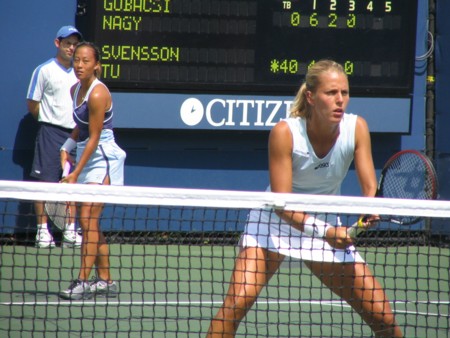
(42, 227)
(70, 227)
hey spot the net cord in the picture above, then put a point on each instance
(137, 195)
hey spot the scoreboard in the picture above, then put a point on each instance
(251, 46)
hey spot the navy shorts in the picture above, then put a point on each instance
(47, 161)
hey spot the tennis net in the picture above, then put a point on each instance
(172, 252)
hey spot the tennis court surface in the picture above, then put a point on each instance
(172, 252)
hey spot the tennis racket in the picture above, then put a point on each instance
(59, 212)
(408, 174)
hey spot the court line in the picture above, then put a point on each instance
(339, 303)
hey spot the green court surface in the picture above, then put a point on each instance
(173, 291)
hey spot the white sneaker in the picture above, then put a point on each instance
(44, 239)
(77, 290)
(103, 288)
(71, 239)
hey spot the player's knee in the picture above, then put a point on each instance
(238, 305)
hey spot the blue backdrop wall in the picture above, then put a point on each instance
(197, 158)
(442, 124)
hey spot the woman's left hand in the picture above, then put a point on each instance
(338, 237)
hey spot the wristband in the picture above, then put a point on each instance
(314, 227)
(357, 228)
(69, 145)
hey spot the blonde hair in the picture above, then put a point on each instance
(300, 106)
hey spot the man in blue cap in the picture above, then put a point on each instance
(49, 101)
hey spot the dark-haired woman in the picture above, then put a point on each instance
(99, 161)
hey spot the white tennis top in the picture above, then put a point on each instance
(324, 176)
(311, 175)
(50, 85)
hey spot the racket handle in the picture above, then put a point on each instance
(66, 169)
(357, 228)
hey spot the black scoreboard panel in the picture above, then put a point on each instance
(251, 46)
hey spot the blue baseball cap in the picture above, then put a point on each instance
(67, 31)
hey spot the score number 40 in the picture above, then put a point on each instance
(292, 66)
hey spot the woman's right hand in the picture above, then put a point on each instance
(66, 157)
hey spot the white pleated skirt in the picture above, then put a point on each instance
(265, 229)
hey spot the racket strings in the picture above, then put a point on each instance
(408, 177)
(58, 212)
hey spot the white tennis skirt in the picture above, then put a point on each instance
(265, 229)
(107, 160)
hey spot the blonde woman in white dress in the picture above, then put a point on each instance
(310, 152)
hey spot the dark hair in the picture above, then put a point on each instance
(300, 105)
(97, 55)
(91, 45)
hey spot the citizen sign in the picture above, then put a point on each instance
(234, 113)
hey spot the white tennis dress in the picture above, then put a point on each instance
(310, 175)
(108, 159)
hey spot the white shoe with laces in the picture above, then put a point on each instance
(71, 238)
(103, 288)
(44, 239)
(77, 290)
